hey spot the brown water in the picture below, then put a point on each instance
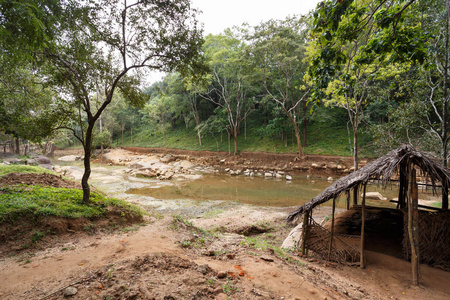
(250, 190)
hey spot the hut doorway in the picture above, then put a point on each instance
(383, 228)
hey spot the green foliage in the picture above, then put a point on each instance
(229, 288)
(34, 202)
(6, 169)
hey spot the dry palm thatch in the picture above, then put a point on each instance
(382, 170)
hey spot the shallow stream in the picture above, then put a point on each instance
(258, 191)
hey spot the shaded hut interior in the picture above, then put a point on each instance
(407, 230)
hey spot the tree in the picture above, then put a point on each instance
(230, 83)
(278, 49)
(353, 39)
(109, 44)
(28, 109)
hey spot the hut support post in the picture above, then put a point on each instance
(304, 231)
(363, 223)
(348, 200)
(444, 195)
(355, 195)
(332, 228)
(413, 230)
(401, 189)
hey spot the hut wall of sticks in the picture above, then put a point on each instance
(434, 238)
(402, 165)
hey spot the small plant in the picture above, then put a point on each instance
(255, 242)
(229, 288)
(213, 213)
(37, 236)
(186, 244)
(110, 273)
(326, 219)
(211, 281)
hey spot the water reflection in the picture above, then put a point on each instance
(249, 190)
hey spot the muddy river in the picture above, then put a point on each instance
(259, 191)
(249, 190)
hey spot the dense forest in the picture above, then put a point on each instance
(350, 77)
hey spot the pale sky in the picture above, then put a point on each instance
(219, 15)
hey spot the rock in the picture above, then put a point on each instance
(47, 166)
(330, 178)
(258, 174)
(293, 239)
(203, 269)
(218, 290)
(314, 165)
(167, 176)
(266, 258)
(288, 177)
(43, 160)
(267, 174)
(167, 159)
(15, 161)
(221, 296)
(209, 253)
(136, 165)
(374, 196)
(227, 170)
(252, 174)
(222, 160)
(185, 164)
(70, 291)
(278, 175)
(247, 173)
(31, 161)
(281, 172)
(222, 274)
(231, 255)
(69, 158)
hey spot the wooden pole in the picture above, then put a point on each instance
(348, 200)
(304, 231)
(332, 228)
(444, 194)
(363, 223)
(413, 230)
(355, 195)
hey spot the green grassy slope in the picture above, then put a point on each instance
(321, 139)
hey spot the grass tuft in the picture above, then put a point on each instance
(35, 201)
(7, 169)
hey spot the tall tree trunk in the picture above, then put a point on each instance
(197, 124)
(229, 143)
(122, 127)
(131, 129)
(304, 123)
(235, 135)
(297, 132)
(17, 146)
(355, 148)
(87, 163)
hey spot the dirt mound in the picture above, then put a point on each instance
(43, 179)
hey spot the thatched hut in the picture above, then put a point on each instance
(425, 232)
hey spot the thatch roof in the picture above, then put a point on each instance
(380, 169)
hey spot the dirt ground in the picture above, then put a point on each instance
(226, 255)
(44, 179)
